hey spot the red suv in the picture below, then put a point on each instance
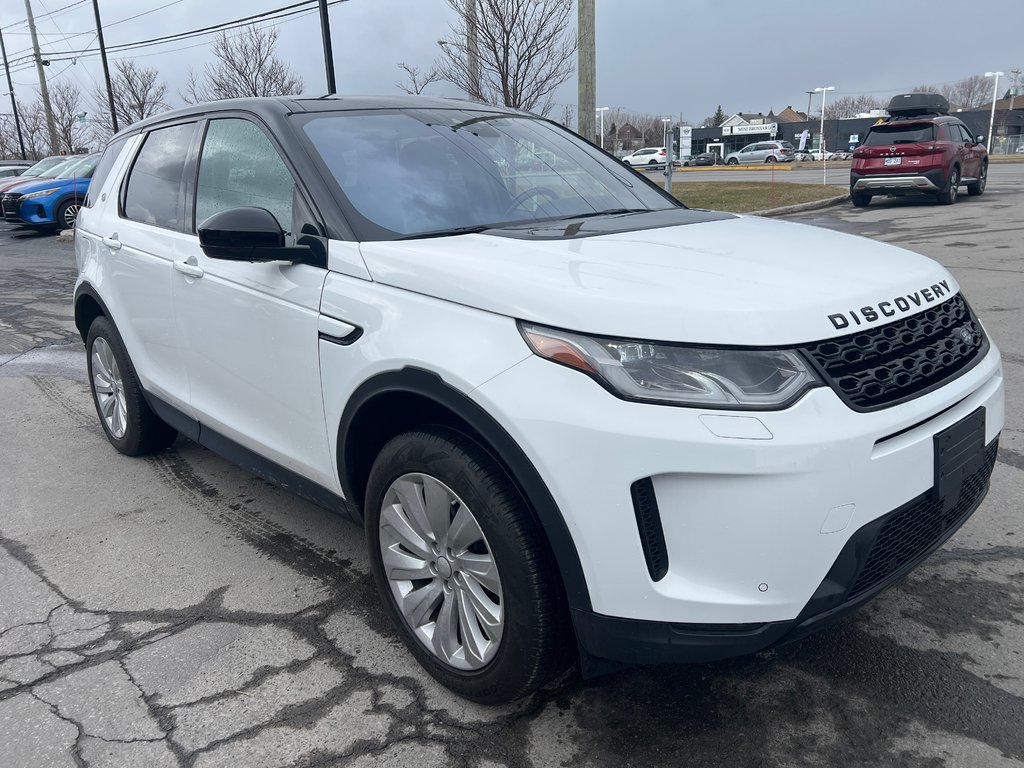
(919, 150)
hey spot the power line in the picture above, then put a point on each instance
(51, 13)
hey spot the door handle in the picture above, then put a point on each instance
(188, 269)
(112, 242)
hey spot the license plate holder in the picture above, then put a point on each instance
(894, 161)
(959, 453)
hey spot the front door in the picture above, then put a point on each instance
(251, 328)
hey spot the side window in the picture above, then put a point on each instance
(239, 166)
(966, 134)
(102, 170)
(153, 194)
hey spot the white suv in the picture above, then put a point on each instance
(571, 413)
(652, 156)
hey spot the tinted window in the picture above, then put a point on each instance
(44, 165)
(153, 195)
(420, 171)
(7, 172)
(102, 170)
(240, 167)
(900, 134)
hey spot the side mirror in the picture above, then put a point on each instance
(247, 234)
(980, 138)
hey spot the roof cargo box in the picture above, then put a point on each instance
(909, 104)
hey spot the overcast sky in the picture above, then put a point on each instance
(666, 57)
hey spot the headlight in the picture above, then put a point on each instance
(678, 374)
(40, 193)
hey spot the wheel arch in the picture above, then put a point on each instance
(393, 402)
(88, 306)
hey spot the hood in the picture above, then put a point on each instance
(34, 185)
(15, 181)
(742, 280)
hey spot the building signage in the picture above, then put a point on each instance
(737, 130)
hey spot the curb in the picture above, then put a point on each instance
(727, 168)
(828, 202)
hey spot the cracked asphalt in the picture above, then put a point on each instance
(177, 611)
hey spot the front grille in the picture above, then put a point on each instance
(895, 362)
(917, 528)
(11, 203)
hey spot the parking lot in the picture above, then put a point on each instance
(176, 610)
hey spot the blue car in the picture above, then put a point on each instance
(54, 202)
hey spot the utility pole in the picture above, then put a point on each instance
(586, 71)
(44, 92)
(1013, 86)
(14, 103)
(809, 95)
(106, 69)
(325, 30)
(473, 52)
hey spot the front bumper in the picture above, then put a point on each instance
(757, 509)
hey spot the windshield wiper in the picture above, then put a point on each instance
(474, 230)
(609, 212)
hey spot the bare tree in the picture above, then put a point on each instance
(524, 51)
(68, 115)
(33, 129)
(138, 93)
(415, 79)
(971, 92)
(850, 106)
(568, 116)
(246, 65)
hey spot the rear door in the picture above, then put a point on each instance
(138, 246)
(252, 328)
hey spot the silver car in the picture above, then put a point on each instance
(762, 152)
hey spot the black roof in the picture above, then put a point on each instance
(279, 106)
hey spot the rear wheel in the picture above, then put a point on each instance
(860, 199)
(948, 195)
(653, 162)
(463, 567)
(978, 187)
(130, 424)
(770, 159)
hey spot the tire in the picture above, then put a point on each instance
(978, 187)
(860, 199)
(525, 646)
(652, 162)
(949, 194)
(732, 161)
(128, 421)
(770, 159)
(67, 214)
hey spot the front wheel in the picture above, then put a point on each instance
(948, 195)
(733, 161)
(978, 187)
(130, 424)
(465, 572)
(67, 214)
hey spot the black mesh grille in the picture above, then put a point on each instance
(11, 204)
(915, 529)
(648, 521)
(894, 362)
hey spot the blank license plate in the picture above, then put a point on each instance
(893, 160)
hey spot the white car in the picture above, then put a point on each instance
(815, 154)
(646, 156)
(570, 413)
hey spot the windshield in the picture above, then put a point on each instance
(424, 171)
(900, 134)
(44, 165)
(82, 168)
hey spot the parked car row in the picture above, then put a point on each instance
(49, 194)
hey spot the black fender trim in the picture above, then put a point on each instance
(429, 385)
(86, 289)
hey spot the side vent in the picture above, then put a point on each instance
(648, 521)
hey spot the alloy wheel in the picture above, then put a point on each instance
(109, 388)
(71, 215)
(441, 571)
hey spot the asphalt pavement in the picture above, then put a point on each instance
(175, 610)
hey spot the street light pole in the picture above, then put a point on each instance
(992, 119)
(821, 139)
(666, 122)
(325, 32)
(14, 103)
(106, 69)
(600, 111)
